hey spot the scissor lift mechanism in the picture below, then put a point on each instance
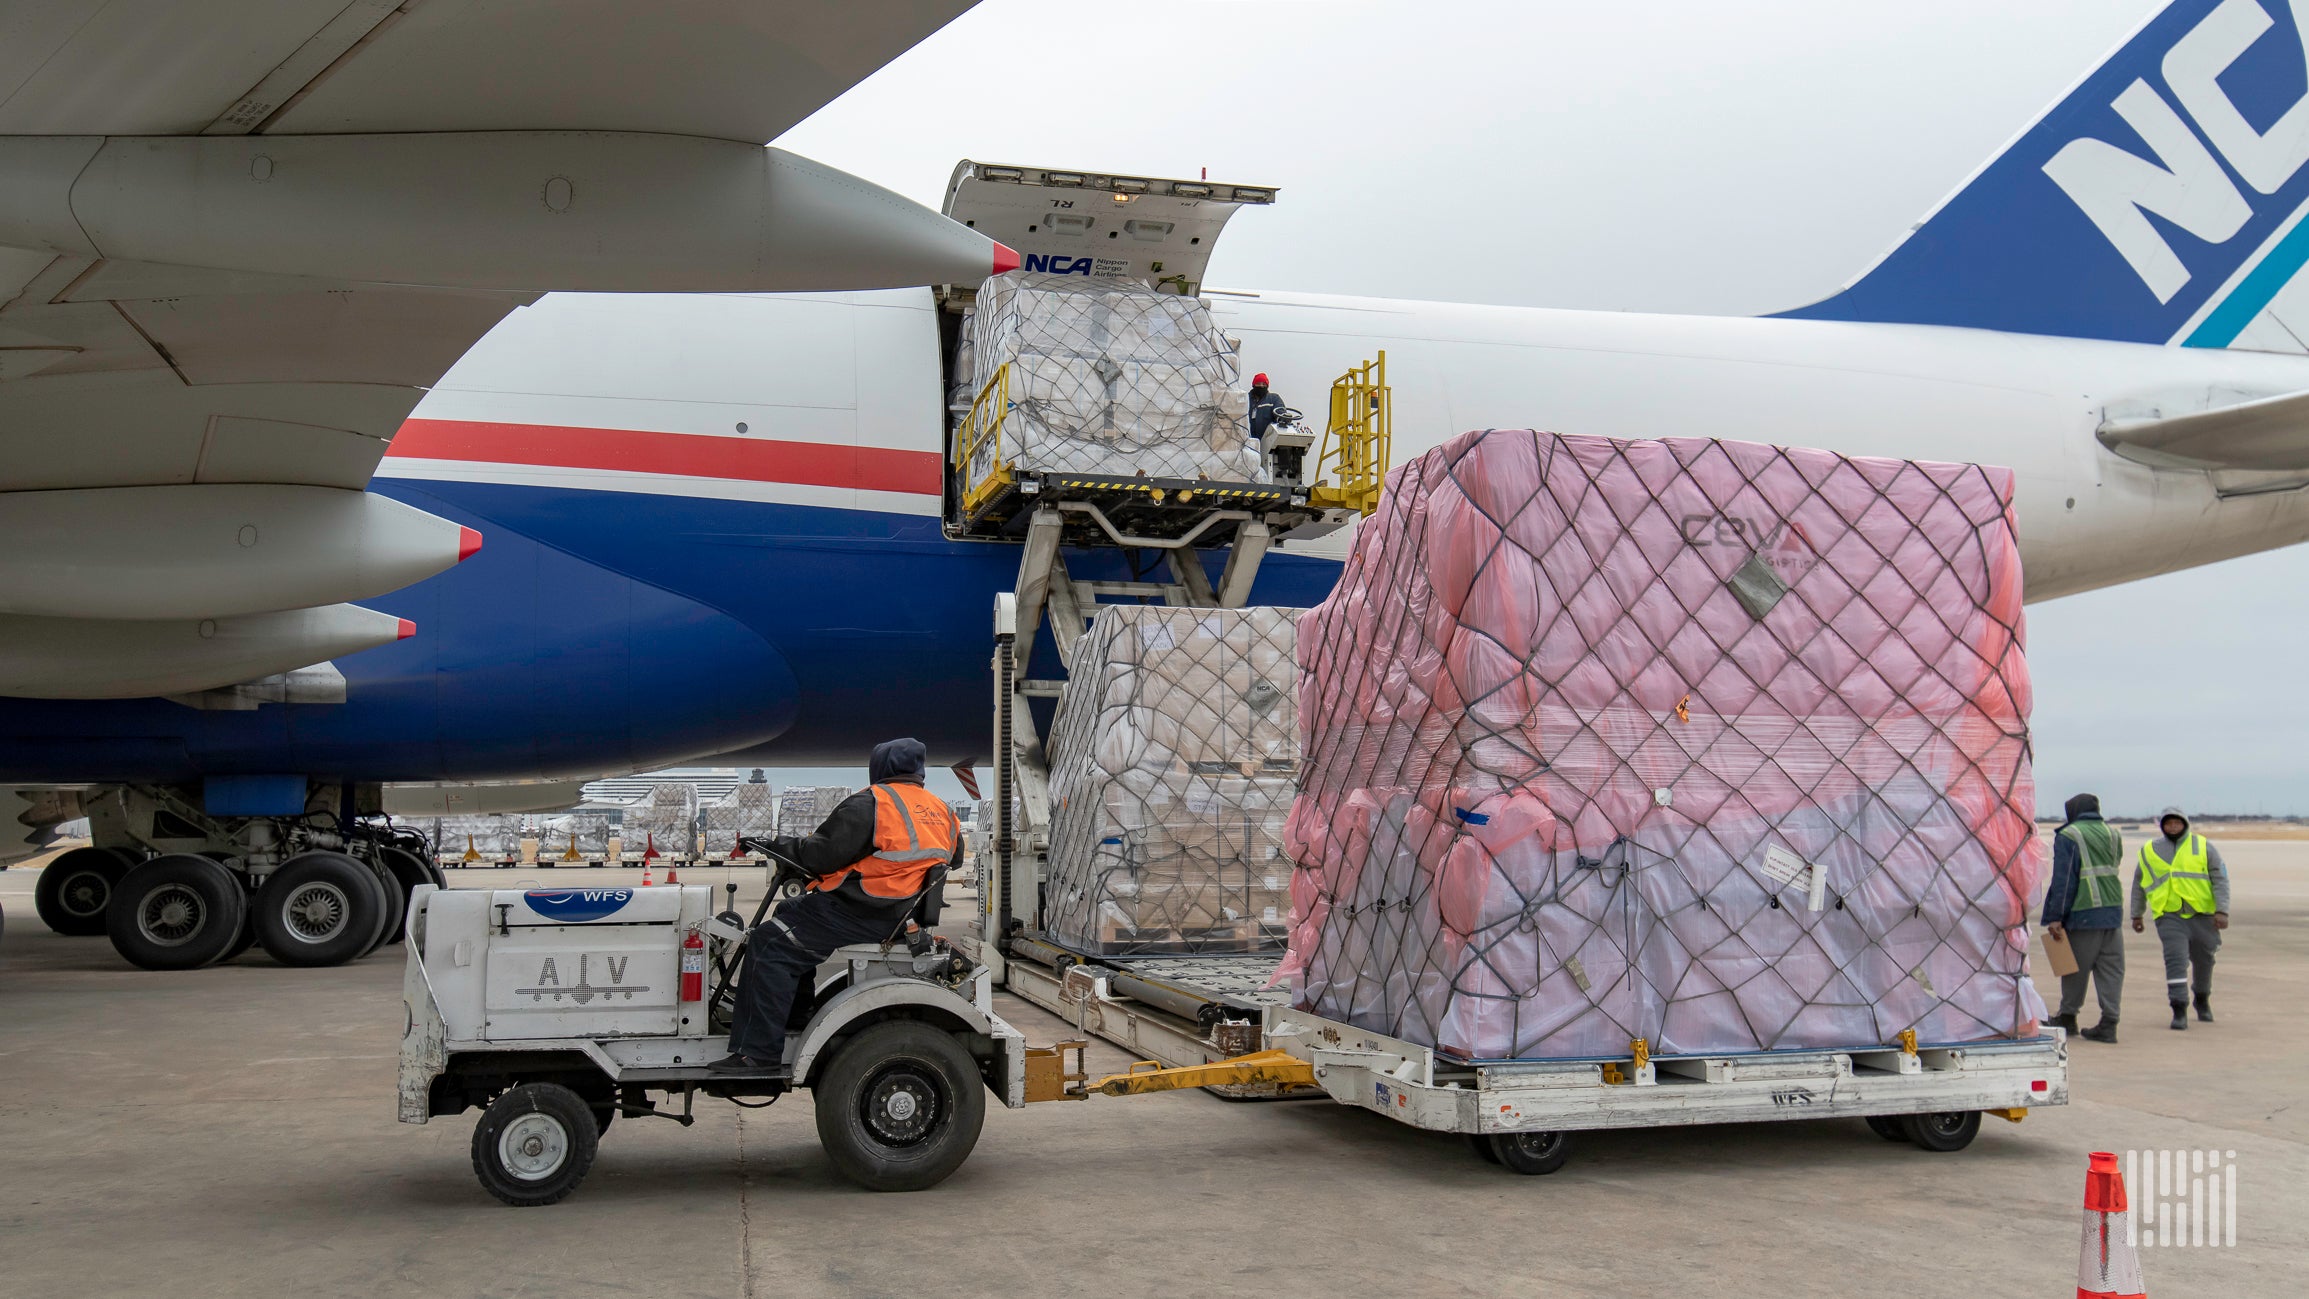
(1181, 518)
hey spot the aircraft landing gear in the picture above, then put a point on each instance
(321, 908)
(175, 912)
(74, 888)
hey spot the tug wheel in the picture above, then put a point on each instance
(534, 1144)
(899, 1106)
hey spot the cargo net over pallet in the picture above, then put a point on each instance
(1105, 377)
(748, 811)
(491, 836)
(574, 836)
(663, 821)
(1174, 758)
(1712, 744)
(803, 808)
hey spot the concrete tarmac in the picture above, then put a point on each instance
(231, 1132)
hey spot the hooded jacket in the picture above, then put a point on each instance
(2166, 846)
(2060, 895)
(847, 834)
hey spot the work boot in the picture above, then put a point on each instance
(743, 1066)
(2105, 1031)
(2065, 1023)
(2180, 1014)
(2205, 1009)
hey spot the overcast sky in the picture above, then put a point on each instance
(1675, 156)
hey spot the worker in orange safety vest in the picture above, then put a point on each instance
(870, 861)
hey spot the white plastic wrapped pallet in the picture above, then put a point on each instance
(1174, 758)
(590, 832)
(490, 834)
(664, 820)
(748, 810)
(802, 808)
(1107, 377)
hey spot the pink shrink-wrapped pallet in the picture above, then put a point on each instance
(1714, 744)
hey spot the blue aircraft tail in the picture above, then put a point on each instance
(2160, 202)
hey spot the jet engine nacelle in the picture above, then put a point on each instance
(517, 210)
(86, 658)
(213, 551)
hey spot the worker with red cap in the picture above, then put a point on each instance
(1264, 403)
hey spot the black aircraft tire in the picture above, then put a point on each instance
(72, 890)
(175, 912)
(899, 1106)
(320, 908)
(534, 1144)
(248, 934)
(408, 871)
(393, 904)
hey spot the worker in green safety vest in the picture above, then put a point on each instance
(2184, 884)
(2084, 906)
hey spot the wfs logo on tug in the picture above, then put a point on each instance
(576, 906)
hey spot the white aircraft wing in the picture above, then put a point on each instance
(723, 69)
(239, 238)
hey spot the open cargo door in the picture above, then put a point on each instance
(1158, 232)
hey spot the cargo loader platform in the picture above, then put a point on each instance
(1101, 510)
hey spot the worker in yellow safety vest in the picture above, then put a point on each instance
(872, 860)
(2183, 883)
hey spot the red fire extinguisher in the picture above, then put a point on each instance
(693, 967)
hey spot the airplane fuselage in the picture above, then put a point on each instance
(713, 522)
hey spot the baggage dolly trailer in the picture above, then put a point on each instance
(1521, 1114)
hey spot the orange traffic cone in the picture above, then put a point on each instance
(672, 871)
(648, 855)
(2107, 1265)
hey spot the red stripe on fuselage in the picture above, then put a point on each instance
(694, 455)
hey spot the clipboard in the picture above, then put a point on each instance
(2062, 956)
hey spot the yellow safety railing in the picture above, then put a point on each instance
(982, 430)
(1358, 441)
